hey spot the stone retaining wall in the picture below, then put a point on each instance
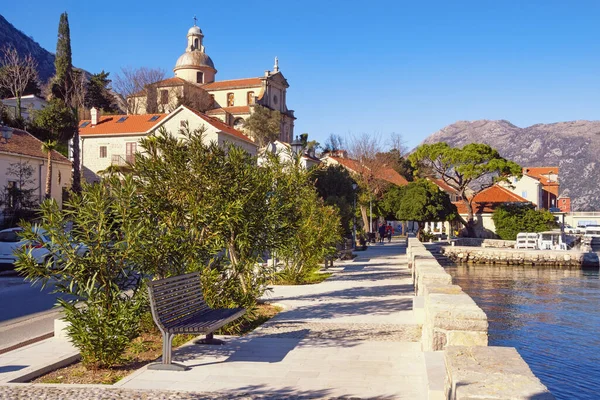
(452, 322)
(478, 242)
(549, 258)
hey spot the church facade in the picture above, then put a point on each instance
(231, 101)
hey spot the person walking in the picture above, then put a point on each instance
(381, 232)
(388, 232)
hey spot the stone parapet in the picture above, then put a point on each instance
(452, 322)
(506, 256)
(483, 372)
(449, 316)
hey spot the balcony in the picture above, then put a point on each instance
(121, 160)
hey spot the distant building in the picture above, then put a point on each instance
(484, 204)
(29, 104)
(284, 151)
(386, 174)
(231, 101)
(564, 204)
(113, 139)
(539, 185)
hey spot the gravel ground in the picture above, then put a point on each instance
(45, 392)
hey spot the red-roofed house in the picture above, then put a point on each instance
(538, 185)
(231, 100)
(386, 174)
(484, 204)
(113, 139)
(22, 147)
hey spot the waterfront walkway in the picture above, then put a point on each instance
(353, 335)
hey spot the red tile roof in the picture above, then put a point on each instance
(541, 174)
(489, 199)
(175, 81)
(233, 84)
(387, 174)
(443, 185)
(222, 126)
(109, 124)
(25, 144)
(231, 110)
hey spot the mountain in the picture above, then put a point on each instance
(573, 146)
(11, 36)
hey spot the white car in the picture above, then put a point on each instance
(10, 242)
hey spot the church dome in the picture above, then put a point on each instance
(194, 30)
(192, 59)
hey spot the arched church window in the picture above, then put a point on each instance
(199, 77)
(230, 100)
(250, 99)
(195, 44)
(238, 123)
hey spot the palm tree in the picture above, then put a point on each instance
(48, 147)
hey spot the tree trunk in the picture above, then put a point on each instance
(469, 223)
(18, 114)
(48, 193)
(365, 218)
(76, 185)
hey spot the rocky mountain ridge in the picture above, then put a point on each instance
(11, 36)
(574, 146)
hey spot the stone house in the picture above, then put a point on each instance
(114, 139)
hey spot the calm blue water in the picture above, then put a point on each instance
(552, 317)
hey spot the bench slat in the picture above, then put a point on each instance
(207, 322)
(178, 298)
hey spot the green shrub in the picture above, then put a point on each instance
(510, 219)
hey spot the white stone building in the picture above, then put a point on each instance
(29, 104)
(114, 139)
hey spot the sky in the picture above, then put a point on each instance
(354, 67)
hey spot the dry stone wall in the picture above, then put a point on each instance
(549, 258)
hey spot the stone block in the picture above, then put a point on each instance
(464, 338)
(60, 329)
(482, 372)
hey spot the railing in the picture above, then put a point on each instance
(117, 159)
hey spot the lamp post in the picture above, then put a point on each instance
(354, 186)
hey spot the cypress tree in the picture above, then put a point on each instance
(63, 61)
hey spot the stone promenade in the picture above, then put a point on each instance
(352, 336)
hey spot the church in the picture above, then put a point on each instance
(231, 101)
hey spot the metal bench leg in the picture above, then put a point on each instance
(166, 364)
(209, 339)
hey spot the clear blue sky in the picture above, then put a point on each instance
(377, 67)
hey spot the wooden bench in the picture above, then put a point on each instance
(178, 306)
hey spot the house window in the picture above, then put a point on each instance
(564, 201)
(250, 99)
(130, 150)
(229, 99)
(524, 194)
(102, 151)
(199, 77)
(164, 97)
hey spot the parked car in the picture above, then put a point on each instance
(10, 243)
